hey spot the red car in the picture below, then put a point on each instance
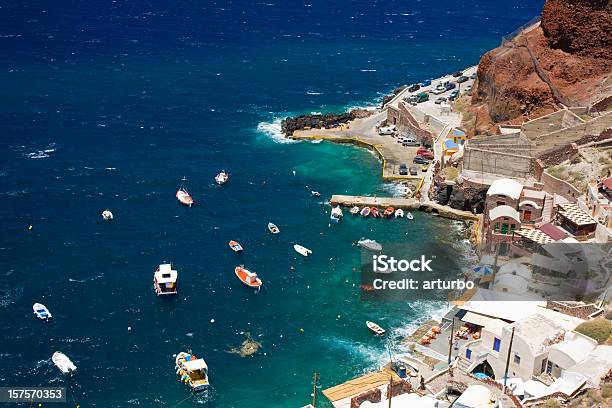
(425, 153)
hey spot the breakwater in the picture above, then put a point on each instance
(321, 121)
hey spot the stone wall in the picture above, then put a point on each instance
(550, 141)
(553, 185)
(405, 121)
(581, 311)
(500, 163)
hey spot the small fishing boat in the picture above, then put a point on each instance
(336, 214)
(164, 280)
(107, 215)
(409, 216)
(192, 371)
(389, 211)
(222, 177)
(247, 277)
(365, 211)
(273, 228)
(316, 141)
(354, 210)
(236, 247)
(369, 244)
(183, 196)
(376, 329)
(42, 312)
(302, 250)
(315, 193)
(374, 212)
(62, 362)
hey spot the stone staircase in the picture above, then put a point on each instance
(548, 207)
(463, 364)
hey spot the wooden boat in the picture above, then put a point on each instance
(409, 216)
(247, 277)
(42, 312)
(399, 213)
(302, 250)
(374, 212)
(236, 247)
(222, 177)
(192, 371)
(273, 228)
(354, 210)
(183, 196)
(62, 362)
(376, 329)
(389, 211)
(107, 215)
(164, 280)
(365, 211)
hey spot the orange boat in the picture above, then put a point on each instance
(247, 277)
(389, 211)
(183, 196)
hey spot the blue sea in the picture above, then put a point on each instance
(109, 104)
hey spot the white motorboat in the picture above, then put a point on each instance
(183, 195)
(399, 213)
(107, 215)
(164, 280)
(236, 247)
(302, 250)
(376, 329)
(63, 363)
(192, 371)
(273, 228)
(403, 190)
(336, 214)
(369, 244)
(409, 216)
(222, 177)
(354, 210)
(315, 193)
(42, 312)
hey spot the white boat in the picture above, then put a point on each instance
(316, 141)
(354, 210)
(63, 363)
(164, 280)
(302, 250)
(379, 331)
(273, 228)
(336, 214)
(403, 190)
(192, 371)
(183, 195)
(42, 312)
(369, 244)
(399, 213)
(222, 177)
(365, 211)
(236, 247)
(107, 215)
(409, 216)
(315, 193)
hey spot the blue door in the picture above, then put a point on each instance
(468, 354)
(496, 344)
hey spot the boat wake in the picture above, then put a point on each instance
(273, 131)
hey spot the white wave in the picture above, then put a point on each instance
(367, 70)
(428, 310)
(273, 131)
(40, 154)
(313, 93)
(371, 355)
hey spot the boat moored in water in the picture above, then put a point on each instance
(369, 244)
(247, 277)
(336, 214)
(192, 371)
(389, 211)
(273, 228)
(107, 215)
(236, 247)
(376, 329)
(365, 211)
(354, 210)
(302, 250)
(409, 216)
(42, 312)
(164, 280)
(374, 212)
(399, 213)
(183, 195)
(222, 177)
(62, 362)
(315, 193)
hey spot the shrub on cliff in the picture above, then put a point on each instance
(597, 329)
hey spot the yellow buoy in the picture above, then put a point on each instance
(29, 228)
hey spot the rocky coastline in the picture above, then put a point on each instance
(322, 121)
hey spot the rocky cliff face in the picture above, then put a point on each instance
(563, 60)
(318, 121)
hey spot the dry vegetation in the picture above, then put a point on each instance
(586, 166)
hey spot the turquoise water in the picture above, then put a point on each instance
(110, 106)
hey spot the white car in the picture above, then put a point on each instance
(439, 90)
(386, 130)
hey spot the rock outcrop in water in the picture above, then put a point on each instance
(460, 198)
(565, 60)
(321, 121)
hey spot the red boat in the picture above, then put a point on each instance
(183, 196)
(389, 211)
(247, 277)
(374, 212)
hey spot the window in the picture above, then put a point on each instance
(543, 365)
(500, 203)
(497, 227)
(496, 344)
(548, 367)
(468, 354)
(517, 359)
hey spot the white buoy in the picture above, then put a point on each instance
(129, 328)
(212, 320)
(107, 215)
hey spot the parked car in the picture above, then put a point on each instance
(427, 155)
(473, 76)
(462, 78)
(414, 87)
(426, 82)
(423, 149)
(422, 97)
(403, 169)
(440, 100)
(457, 74)
(424, 168)
(385, 130)
(450, 85)
(453, 95)
(409, 141)
(468, 88)
(414, 170)
(438, 90)
(420, 160)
